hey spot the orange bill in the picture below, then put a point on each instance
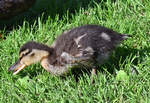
(17, 67)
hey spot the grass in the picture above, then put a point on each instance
(35, 85)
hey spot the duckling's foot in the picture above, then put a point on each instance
(93, 74)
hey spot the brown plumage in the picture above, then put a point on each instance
(82, 45)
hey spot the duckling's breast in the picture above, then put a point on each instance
(58, 67)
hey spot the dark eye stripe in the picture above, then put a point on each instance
(25, 54)
(32, 54)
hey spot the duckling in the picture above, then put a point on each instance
(88, 45)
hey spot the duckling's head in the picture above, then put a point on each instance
(30, 53)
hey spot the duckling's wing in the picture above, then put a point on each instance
(70, 59)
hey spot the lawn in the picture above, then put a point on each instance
(35, 85)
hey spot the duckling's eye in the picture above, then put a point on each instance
(32, 54)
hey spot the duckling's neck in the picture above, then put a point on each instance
(56, 68)
(53, 63)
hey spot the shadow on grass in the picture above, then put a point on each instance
(112, 63)
(49, 8)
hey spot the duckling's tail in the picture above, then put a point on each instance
(125, 36)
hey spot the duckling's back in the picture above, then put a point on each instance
(98, 38)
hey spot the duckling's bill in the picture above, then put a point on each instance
(17, 67)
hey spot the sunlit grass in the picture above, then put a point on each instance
(35, 85)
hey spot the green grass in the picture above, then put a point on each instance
(35, 85)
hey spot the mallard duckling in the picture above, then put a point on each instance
(88, 44)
